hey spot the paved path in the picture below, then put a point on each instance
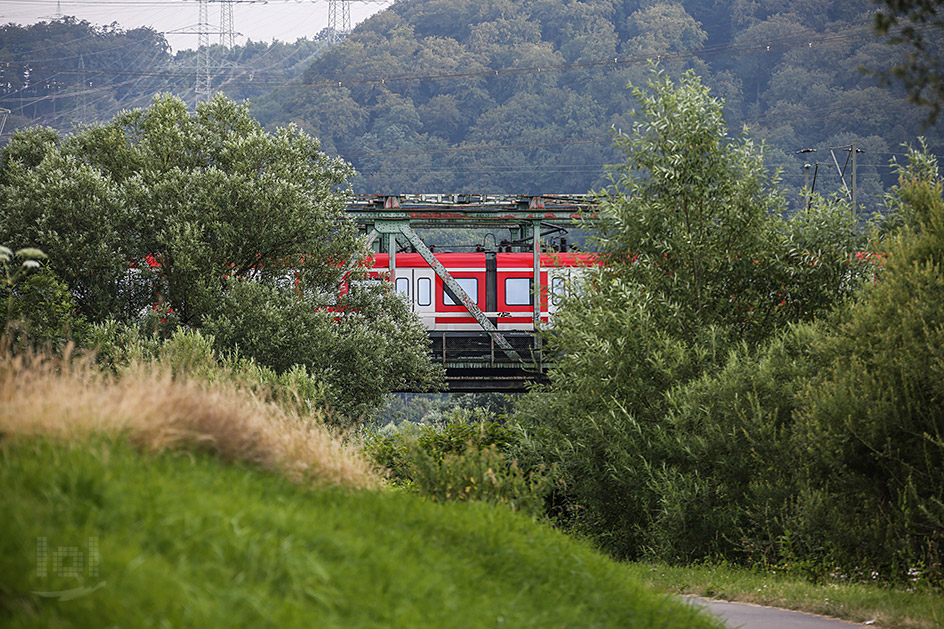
(747, 616)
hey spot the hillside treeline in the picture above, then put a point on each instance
(509, 96)
(522, 96)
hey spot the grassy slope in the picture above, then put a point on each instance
(188, 541)
(853, 601)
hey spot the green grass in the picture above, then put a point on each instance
(858, 602)
(185, 540)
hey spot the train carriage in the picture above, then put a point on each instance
(500, 284)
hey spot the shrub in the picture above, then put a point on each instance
(369, 345)
(465, 460)
(655, 402)
(36, 308)
(482, 474)
(190, 354)
(40, 311)
(730, 463)
(391, 447)
(873, 417)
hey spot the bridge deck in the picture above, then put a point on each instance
(475, 364)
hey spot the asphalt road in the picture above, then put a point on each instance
(747, 616)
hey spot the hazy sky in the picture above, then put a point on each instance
(286, 20)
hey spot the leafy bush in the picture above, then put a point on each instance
(669, 440)
(192, 355)
(482, 474)
(366, 345)
(42, 312)
(465, 460)
(390, 447)
(729, 458)
(873, 417)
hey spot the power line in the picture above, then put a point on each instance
(756, 45)
(765, 45)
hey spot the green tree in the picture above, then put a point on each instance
(209, 195)
(917, 24)
(217, 224)
(873, 416)
(692, 215)
(663, 28)
(696, 261)
(53, 197)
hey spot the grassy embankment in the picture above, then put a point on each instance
(190, 506)
(855, 601)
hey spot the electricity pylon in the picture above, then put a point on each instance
(338, 31)
(227, 32)
(339, 17)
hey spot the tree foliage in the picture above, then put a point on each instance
(206, 196)
(206, 220)
(815, 448)
(516, 99)
(35, 307)
(691, 214)
(367, 345)
(918, 25)
(697, 262)
(872, 415)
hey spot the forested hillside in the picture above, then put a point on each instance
(520, 96)
(515, 96)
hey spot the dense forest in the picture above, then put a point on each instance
(509, 96)
(522, 96)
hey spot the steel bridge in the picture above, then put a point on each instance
(487, 359)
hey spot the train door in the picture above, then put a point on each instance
(558, 279)
(424, 304)
(416, 286)
(404, 286)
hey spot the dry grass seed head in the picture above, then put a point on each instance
(71, 398)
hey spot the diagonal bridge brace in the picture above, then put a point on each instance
(450, 285)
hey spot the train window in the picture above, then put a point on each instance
(469, 284)
(518, 291)
(558, 290)
(365, 286)
(286, 280)
(424, 291)
(403, 286)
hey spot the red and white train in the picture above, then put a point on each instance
(500, 284)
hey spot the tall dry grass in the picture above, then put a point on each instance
(71, 398)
